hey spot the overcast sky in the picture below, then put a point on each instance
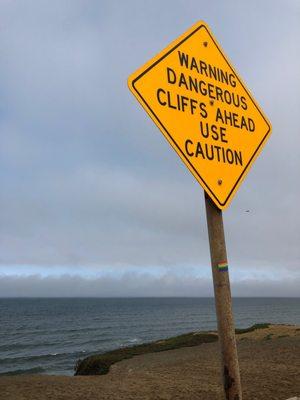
(93, 199)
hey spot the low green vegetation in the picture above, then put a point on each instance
(268, 337)
(252, 328)
(99, 364)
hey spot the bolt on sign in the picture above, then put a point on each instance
(200, 104)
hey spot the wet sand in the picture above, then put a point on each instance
(269, 363)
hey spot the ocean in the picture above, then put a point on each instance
(47, 336)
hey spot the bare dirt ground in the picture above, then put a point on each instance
(269, 363)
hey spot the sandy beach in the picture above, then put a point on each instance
(269, 363)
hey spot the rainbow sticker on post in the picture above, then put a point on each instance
(223, 266)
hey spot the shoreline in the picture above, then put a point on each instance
(269, 364)
(99, 364)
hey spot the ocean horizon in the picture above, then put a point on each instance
(48, 335)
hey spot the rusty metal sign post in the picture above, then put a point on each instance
(196, 98)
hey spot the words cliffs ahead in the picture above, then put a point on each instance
(193, 94)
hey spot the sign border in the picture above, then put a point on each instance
(133, 81)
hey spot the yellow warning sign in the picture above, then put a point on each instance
(193, 94)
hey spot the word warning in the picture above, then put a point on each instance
(193, 94)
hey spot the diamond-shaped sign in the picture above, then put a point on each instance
(195, 97)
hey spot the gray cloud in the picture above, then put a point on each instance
(139, 284)
(88, 179)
